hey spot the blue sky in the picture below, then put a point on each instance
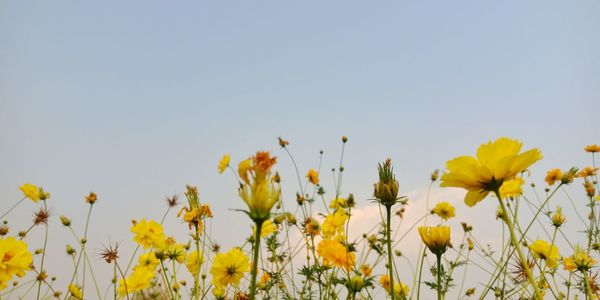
(134, 99)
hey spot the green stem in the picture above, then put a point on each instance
(43, 255)
(439, 276)
(259, 224)
(388, 210)
(513, 238)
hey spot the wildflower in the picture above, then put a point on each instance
(148, 233)
(512, 188)
(435, 175)
(592, 148)
(140, 279)
(229, 268)
(337, 203)
(366, 270)
(91, 198)
(553, 175)
(437, 239)
(148, 261)
(356, 283)
(587, 172)
(579, 261)
(333, 252)
(385, 282)
(334, 223)
(223, 163)
(264, 280)
(558, 218)
(193, 261)
(444, 210)
(30, 191)
(75, 291)
(267, 228)
(386, 189)
(65, 221)
(173, 250)
(313, 176)
(15, 259)
(495, 163)
(173, 201)
(311, 226)
(41, 217)
(549, 253)
(260, 194)
(218, 292)
(401, 290)
(590, 190)
(283, 143)
(109, 254)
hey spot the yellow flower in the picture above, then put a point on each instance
(173, 250)
(385, 282)
(444, 210)
(15, 259)
(313, 176)
(542, 249)
(148, 233)
(401, 290)
(140, 279)
(586, 172)
(553, 175)
(30, 191)
(366, 270)
(334, 223)
(592, 148)
(193, 261)
(333, 252)
(437, 239)
(558, 218)
(223, 163)
(268, 228)
(580, 261)
(512, 188)
(338, 202)
(264, 279)
(312, 226)
(261, 193)
(148, 261)
(75, 291)
(229, 268)
(495, 163)
(218, 292)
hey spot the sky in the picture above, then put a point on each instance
(134, 100)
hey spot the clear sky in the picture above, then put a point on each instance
(135, 99)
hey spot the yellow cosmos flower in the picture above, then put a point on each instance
(592, 148)
(333, 252)
(140, 279)
(334, 224)
(193, 261)
(258, 191)
(15, 259)
(558, 218)
(313, 176)
(587, 172)
(148, 233)
(148, 261)
(338, 202)
(229, 268)
(385, 282)
(401, 290)
(268, 228)
(579, 261)
(495, 162)
(542, 249)
(173, 250)
(30, 191)
(512, 188)
(75, 291)
(444, 210)
(553, 175)
(366, 270)
(218, 292)
(264, 280)
(223, 163)
(437, 239)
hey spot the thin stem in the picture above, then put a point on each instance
(439, 276)
(43, 254)
(513, 237)
(13, 207)
(388, 210)
(259, 224)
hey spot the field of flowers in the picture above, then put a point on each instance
(305, 251)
